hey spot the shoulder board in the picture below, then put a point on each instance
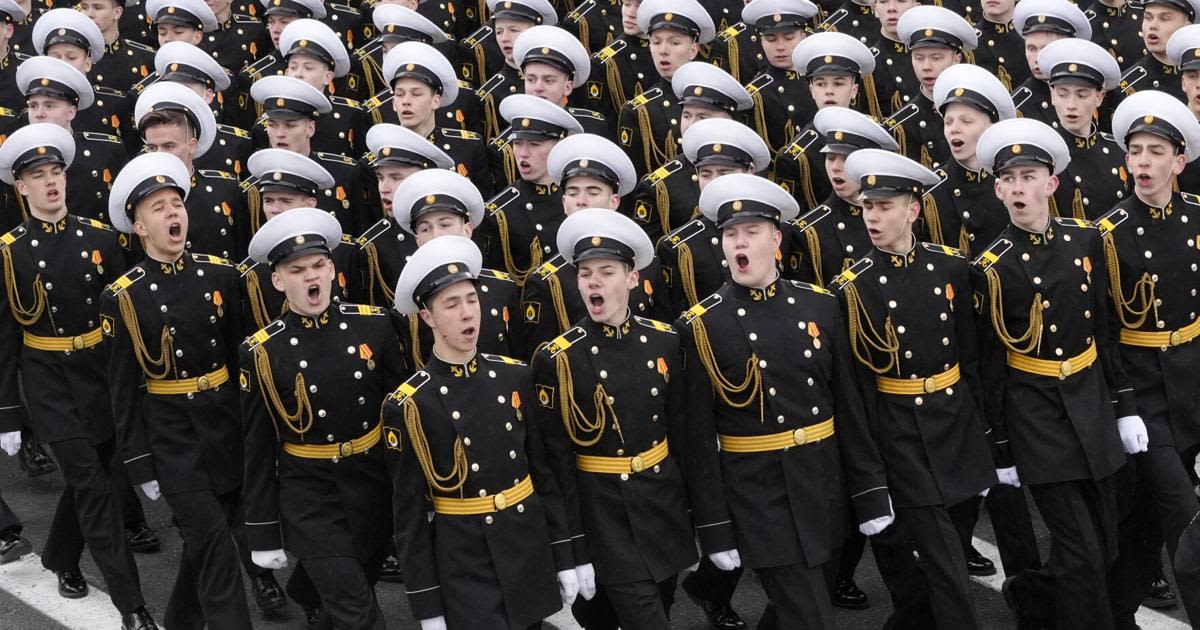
(368, 48)
(701, 307)
(242, 18)
(499, 358)
(150, 79)
(992, 254)
(1082, 224)
(464, 85)
(246, 266)
(565, 340)
(811, 217)
(943, 249)
(460, 134)
(685, 232)
(489, 85)
(410, 387)
(107, 91)
(506, 196)
(495, 275)
(7, 113)
(100, 137)
(212, 260)
(551, 266)
(832, 20)
(259, 66)
(344, 8)
(580, 112)
(1108, 136)
(645, 97)
(801, 143)
(1089, 14)
(126, 280)
(215, 174)
(732, 31)
(360, 309)
(610, 51)
(501, 140)
(811, 287)
(348, 102)
(581, 10)
(263, 334)
(900, 115)
(1020, 95)
(655, 324)
(372, 232)
(346, 239)
(942, 177)
(233, 131)
(1190, 198)
(335, 157)
(1129, 79)
(759, 82)
(99, 225)
(140, 46)
(20, 56)
(480, 34)
(851, 273)
(664, 171)
(1110, 221)
(12, 236)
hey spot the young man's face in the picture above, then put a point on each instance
(453, 315)
(1190, 82)
(604, 285)
(530, 155)
(833, 90)
(44, 186)
(103, 13)
(287, 132)
(506, 34)
(1159, 23)
(929, 61)
(671, 49)
(178, 33)
(1153, 162)
(440, 223)
(888, 12)
(415, 102)
(749, 248)
(388, 179)
(844, 187)
(275, 26)
(778, 46)
(582, 191)
(276, 202)
(707, 173)
(311, 70)
(161, 220)
(306, 281)
(629, 11)
(47, 109)
(547, 82)
(1024, 190)
(1034, 43)
(1076, 106)
(693, 113)
(998, 10)
(74, 55)
(962, 126)
(889, 220)
(173, 139)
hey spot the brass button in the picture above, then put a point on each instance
(798, 437)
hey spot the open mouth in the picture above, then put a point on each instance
(1143, 180)
(957, 144)
(1019, 206)
(595, 303)
(282, 145)
(469, 332)
(406, 113)
(313, 295)
(175, 231)
(837, 182)
(874, 233)
(741, 262)
(664, 65)
(524, 166)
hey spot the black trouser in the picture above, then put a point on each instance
(87, 512)
(942, 561)
(799, 596)
(8, 519)
(1011, 524)
(127, 499)
(906, 583)
(208, 568)
(712, 584)
(852, 553)
(595, 613)
(643, 605)
(347, 593)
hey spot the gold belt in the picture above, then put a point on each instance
(776, 441)
(1163, 339)
(485, 504)
(63, 344)
(1057, 369)
(918, 386)
(623, 465)
(333, 451)
(165, 387)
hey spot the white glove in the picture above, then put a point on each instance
(10, 442)
(150, 489)
(1134, 437)
(568, 586)
(1197, 466)
(586, 574)
(876, 525)
(1008, 476)
(983, 495)
(726, 560)
(273, 559)
(436, 623)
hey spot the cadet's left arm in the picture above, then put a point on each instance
(260, 486)
(1107, 333)
(544, 480)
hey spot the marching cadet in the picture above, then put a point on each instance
(68, 35)
(1160, 20)
(284, 181)
(1045, 307)
(181, 437)
(629, 66)
(964, 212)
(63, 372)
(125, 61)
(488, 555)
(324, 499)
(396, 154)
(422, 80)
(648, 124)
(437, 202)
(937, 38)
(55, 91)
(291, 108)
(1149, 257)
(555, 67)
(1117, 28)
(833, 64)
(895, 80)
(518, 233)
(1001, 48)
(181, 21)
(237, 41)
(1080, 75)
(592, 172)
(746, 422)
(1041, 22)
(782, 102)
(613, 458)
(171, 118)
(509, 18)
(315, 55)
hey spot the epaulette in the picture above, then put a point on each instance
(499, 358)
(1190, 198)
(107, 91)
(126, 280)
(655, 324)
(580, 112)
(344, 8)
(663, 172)
(610, 51)
(258, 66)
(246, 266)
(263, 334)
(7, 113)
(731, 32)
(368, 49)
(1129, 79)
(685, 232)
(495, 275)
(565, 340)
(100, 137)
(12, 236)
(832, 20)
(1082, 224)
(811, 217)
(489, 85)
(20, 56)
(899, 116)
(1110, 221)
(215, 174)
(212, 260)
(1020, 95)
(645, 97)
(853, 271)
(810, 287)
(501, 140)
(335, 157)
(550, 267)
(146, 82)
(759, 82)
(242, 18)
(581, 10)
(942, 177)
(408, 388)
(233, 131)
(801, 143)
(99, 225)
(480, 34)
(347, 239)
(992, 254)
(373, 232)
(943, 249)
(139, 45)
(459, 134)
(348, 102)
(505, 197)
(465, 86)
(360, 309)
(701, 307)
(1107, 136)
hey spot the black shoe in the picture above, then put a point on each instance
(312, 616)
(979, 565)
(391, 570)
(139, 619)
(13, 547)
(267, 593)
(720, 615)
(71, 584)
(141, 539)
(846, 594)
(1160, 595)
(34, 460)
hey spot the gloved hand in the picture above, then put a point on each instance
(150, 489)
(273, 559)
(1008, 476)
(1134, 437)
(568, 586)
(435, 623)
(587, 580)
(1197, 466)
(10, 442)
(876, 525)
(726, 560)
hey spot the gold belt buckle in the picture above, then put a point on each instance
(637, 464)
(1176, 338)
(202, 383)
(930, 385)
(77, 342)
(1065, 368)
(799, 437)
(346, 449)
(500, 502)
